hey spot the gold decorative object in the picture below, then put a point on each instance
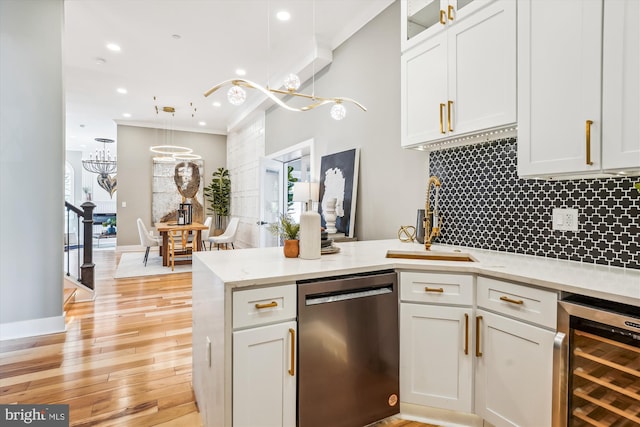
(407, 233)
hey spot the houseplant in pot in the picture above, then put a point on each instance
(110, 225)
(219, 194)
(287, 229)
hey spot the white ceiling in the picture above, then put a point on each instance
(215, 38)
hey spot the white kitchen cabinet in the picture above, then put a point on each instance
(264, 357)
(493, 358)
(461, 80)
(436, 366)
(422, 19)
(513, 372)
(578, 100)
(621, 85)
(514, 353)
(264, 376)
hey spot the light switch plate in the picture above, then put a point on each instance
(565, 219)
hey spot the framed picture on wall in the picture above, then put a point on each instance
(176, 182)
(339, 181)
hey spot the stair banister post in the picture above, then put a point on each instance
(87, 268)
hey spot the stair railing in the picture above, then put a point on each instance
(85, 274)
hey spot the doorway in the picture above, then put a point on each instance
(278, 173)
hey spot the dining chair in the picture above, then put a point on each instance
(179, 246)
(147, 239)
(229, 235)
(204, 234)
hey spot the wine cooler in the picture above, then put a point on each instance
(598, 366)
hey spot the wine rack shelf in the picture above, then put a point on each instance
(606, 382)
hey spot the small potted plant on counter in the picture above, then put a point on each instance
(287, 229)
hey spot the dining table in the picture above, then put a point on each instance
(164, 228)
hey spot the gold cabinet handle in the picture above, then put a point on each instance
(449, 104)
(427, 289)
(478, 352)
(588, 131)
(466, 333)
(443, 17)
(512, 301)
(267, 305)
(450, 13)
(292, 370)
(442, 118)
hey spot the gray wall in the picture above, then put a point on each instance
(135, 163)
(31, 167)
(392, 180)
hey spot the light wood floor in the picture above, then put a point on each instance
(125, 359)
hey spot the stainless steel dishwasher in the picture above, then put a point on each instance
(348, 350)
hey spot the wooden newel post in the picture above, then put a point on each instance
(87, 268)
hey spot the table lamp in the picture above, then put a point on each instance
(309, 219)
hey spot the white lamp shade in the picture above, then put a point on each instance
(305, 191)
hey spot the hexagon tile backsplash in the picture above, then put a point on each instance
(485, 205)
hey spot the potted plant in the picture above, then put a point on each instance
(287, 229)
(110, 225)
(219, 194)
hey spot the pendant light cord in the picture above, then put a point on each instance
(315, 48)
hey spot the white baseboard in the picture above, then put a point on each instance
(131, 248)
(32, 328)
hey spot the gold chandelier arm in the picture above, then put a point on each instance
(252, 85)
(362, 107)
(270, 94)
(318, 98)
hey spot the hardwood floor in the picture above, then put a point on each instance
(125, 359)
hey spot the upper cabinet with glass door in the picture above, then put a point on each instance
(424, 18)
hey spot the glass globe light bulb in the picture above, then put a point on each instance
(291, 82)
(338, 112)
(236, 95)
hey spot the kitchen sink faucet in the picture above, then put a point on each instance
(432, 220)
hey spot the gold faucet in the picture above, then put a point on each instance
(432, 220)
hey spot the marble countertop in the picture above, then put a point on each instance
(250, 267)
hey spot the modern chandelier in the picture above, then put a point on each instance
(103, 164)
(169, 151)
(237, 95)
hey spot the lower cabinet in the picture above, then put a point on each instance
(514, 370)
(436, 366)
(264, 376)
(493, 357)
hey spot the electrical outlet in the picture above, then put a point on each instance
(565, 219)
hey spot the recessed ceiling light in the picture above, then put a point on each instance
(216, 104)
(176, 36)
(100, 61)
(113, 47)
(126, 115)
(241, 72)
(283, 15)
(202, 123)
(121, 90)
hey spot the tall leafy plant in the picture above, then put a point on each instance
(219, 194)
(290, 181)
